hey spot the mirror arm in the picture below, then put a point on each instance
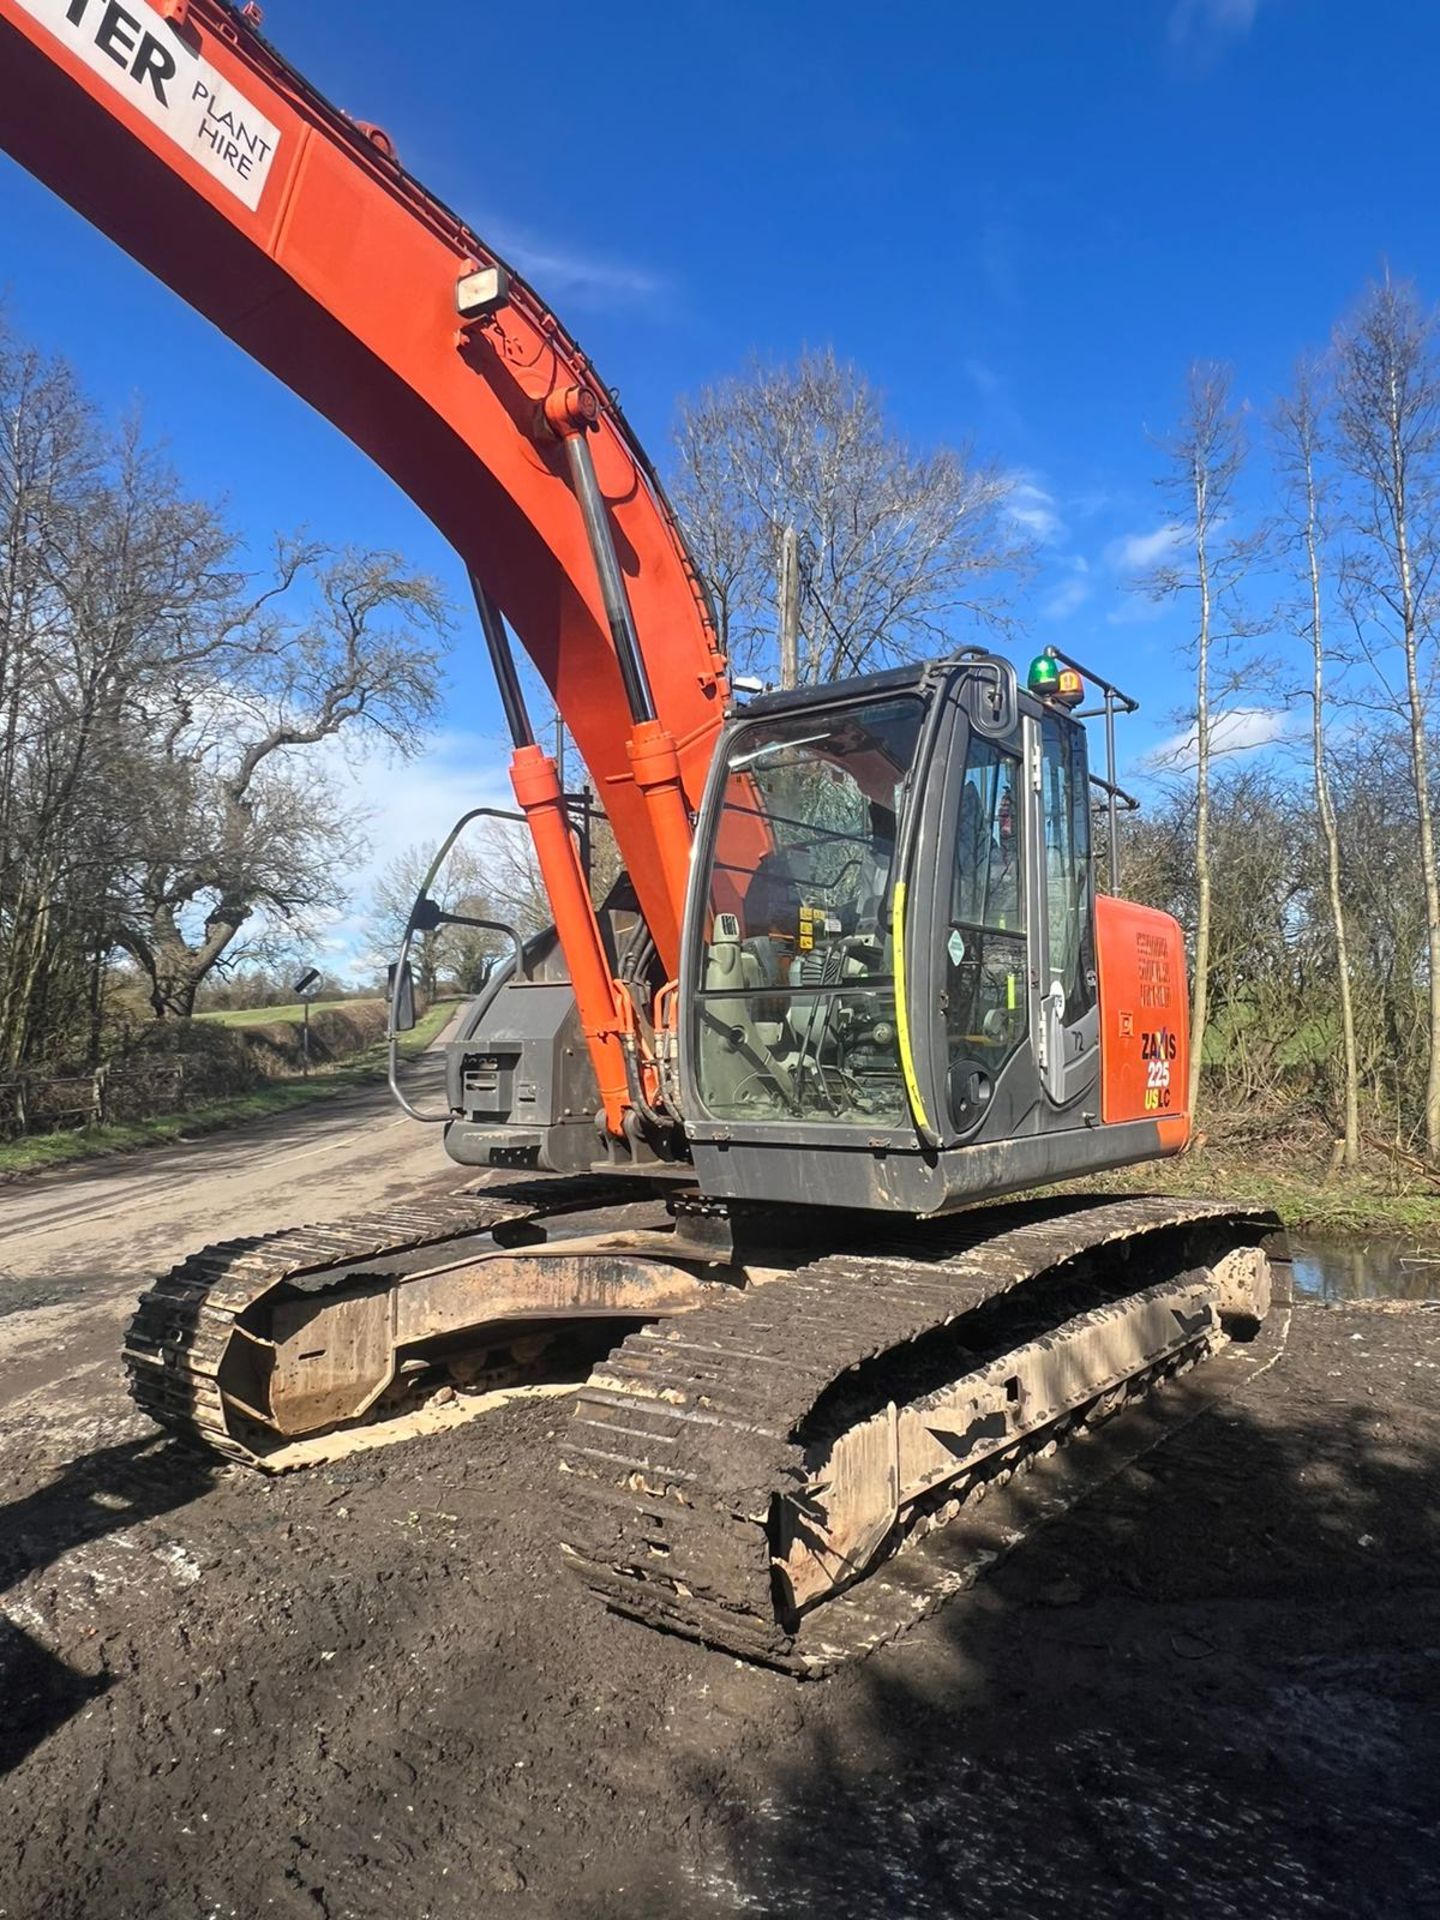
(392, 1038)
(424, 916)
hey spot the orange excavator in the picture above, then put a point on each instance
(748, 1122)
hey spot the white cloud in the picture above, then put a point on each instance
(1030, 506)
(1137, 552)
(984, 379)
(1067, 598)
(412, 801)
(996, 399)
(1091, 501)
(1237, 730)
(1209, 20)
(577, 279)
(405, 803)
(999, 256)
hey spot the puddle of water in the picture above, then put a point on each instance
(1340, 1269)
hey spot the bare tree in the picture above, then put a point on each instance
(1388, 422)
(466, 884)
(1258, 947)
(106, 572)
(896, 550)
(46, 473)
(512, 877)
(246, 821)
(1385, 913)
(160, 715)
(1204, 459)
(1297, 431)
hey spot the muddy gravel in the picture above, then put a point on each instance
(372, 1691)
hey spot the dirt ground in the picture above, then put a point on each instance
(371, 1691)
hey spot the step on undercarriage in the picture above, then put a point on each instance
(763, 1460)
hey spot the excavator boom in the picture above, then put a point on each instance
(179, 132)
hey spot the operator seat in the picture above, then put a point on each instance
(745, 1036)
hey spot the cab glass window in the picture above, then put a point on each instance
(986, 993)
(987, 883)
(1065, 807)
(796, 1008)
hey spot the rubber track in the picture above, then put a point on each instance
(177, 1339)
(680, 1441)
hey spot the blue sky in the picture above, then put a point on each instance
(1022, 223)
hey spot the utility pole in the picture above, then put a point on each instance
(789, 585)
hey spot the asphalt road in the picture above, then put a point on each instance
(78, 1245)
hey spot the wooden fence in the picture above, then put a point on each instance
(133, 1088)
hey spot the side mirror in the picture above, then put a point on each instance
(990, 697)
(402, 998)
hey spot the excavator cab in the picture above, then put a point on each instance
(899, 988)
(892, 981)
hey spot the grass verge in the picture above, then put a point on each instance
(271, 1016)
(40, 1151)
(1305, 1200)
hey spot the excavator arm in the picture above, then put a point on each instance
(178, 131)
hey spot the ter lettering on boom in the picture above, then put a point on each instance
(1153, 960)
(147, 62)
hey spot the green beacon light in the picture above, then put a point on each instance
(1051, 680)
(1044, 677)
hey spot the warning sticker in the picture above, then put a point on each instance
(153, 67)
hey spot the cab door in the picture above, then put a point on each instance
(1062, 906)
(985, 983)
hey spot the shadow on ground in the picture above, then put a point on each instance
(1210, 1691)
(105, 1491)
